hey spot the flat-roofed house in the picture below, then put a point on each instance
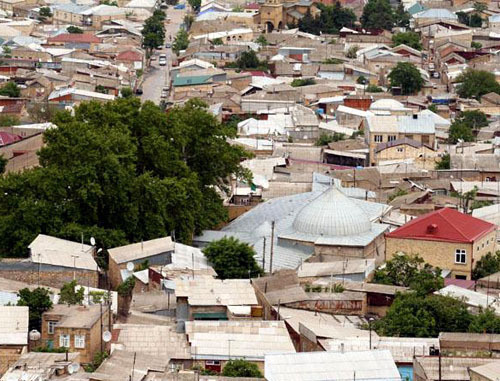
(13, 334)
(214, 343)
(156, 251)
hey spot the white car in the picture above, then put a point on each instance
(162, 60)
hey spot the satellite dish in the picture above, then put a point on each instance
(106, 336)
(130, 266)
(73, 368)
(92, 241)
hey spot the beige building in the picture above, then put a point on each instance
(389, 128)
(405, 149)
(446, 239)
(13, 334)
(77, 328)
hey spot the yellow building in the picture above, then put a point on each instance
(405, 149)
(276, 14)
(446, 239)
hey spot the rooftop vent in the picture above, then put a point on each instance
(415, 116)
(432, 228)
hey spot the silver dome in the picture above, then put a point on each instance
(332, 214)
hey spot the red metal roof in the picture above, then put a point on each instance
(129, 55)
(252, 6)
(8, 138)
(75, 38)
(444, 224)
(464, 283)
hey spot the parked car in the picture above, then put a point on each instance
(139, 91)
(168, 45)
(164, 92)
(180, 6)
(162, 60)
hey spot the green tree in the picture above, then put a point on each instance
(361, 80)
(262, 40)
(476, 45)
(476, 83)
(351, 52)
(397, 193)
(373, 89)
(249, 60)
(153, 32)
(74, 30)
(217, 41)
(195, 4)
(475, 21)
(241, 368)
(324, 139)
(9, 120)
(101, 89)
(3, 163)
(122, 172)
(401, 17)
(299, 82)
(433, 108)
(331, 19)
(181, 41)
(406, 76)
(486, 265)
(378, 14)
(410, 271)
(444, 163)
(232, 259)
(126, 92)
(69, 295)
(485, 322)
(474, 119)
(410, 39)
(38, 302)
(44, 13)
(188, 20)
(413, 315)
(460, 131)
(10, 89)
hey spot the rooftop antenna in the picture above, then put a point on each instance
(92, 241)
(130, 266)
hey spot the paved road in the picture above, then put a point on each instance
(158, 76)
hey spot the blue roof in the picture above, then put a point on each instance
(436, 13)
(193, 80)
(415, 8)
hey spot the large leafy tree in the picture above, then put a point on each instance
(69, 295)
(10, 89)
(410, 271)
(232, 259)
(241, 368)
(378, 14)
(38, 302)
(460, 131)
(195, 4)
(401, 17)
(487, 265)
(331, 19)
(181, 41)
(476, 83)
(473, 119)
(153, 32)
(413, 315)
(410, 39)
(122, 172)
(406, 76)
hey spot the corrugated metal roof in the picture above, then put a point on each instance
(312, 366)
(60, 252)
(350, 266)
(14, 325)
(247, 339)
(207, 291)
(141, 250)
(436, 13)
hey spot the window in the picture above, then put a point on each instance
(378, 138)
(400, 149)
(460, 256)
(391, 138)
(64, 341)
(463, 277)
(50, 327)
(79, 341)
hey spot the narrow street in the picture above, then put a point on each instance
(157, 76)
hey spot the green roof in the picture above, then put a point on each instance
(415, 8)
(191, 80)
(209, 316)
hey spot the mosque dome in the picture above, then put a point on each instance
(386, 104)
(332, 214)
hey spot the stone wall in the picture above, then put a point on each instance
(9, 354)
(46, 275)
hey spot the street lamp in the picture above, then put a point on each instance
(370, 320)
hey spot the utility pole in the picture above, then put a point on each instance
(272, 249)
(264, 255)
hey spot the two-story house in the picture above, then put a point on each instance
(77, 328)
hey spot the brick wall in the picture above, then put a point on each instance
(52, 276)
(9, 354)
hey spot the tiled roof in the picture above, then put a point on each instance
(444, 225)
(8, 138)
(75, 37)
(129, 55)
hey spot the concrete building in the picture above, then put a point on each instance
(13, 334)
(445, 238)
(156, 252)
(77, 328)
(214, 343)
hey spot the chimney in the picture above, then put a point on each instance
(432, 228)
(415, 116)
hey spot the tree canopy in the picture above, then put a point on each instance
(38, 302)
(249, 60)
(153, 32)
(410, 39)
(195, 4)
(378, 14)
(122, 172)
(406, 76)
(410, 271)
(74, 30)
(181, 41)
(10, 89)
(464, 125)
(476, 83)
(401, 17)
(241, 368)
(232, 259)
(331, 19)
(69, 295)
(486, 265)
